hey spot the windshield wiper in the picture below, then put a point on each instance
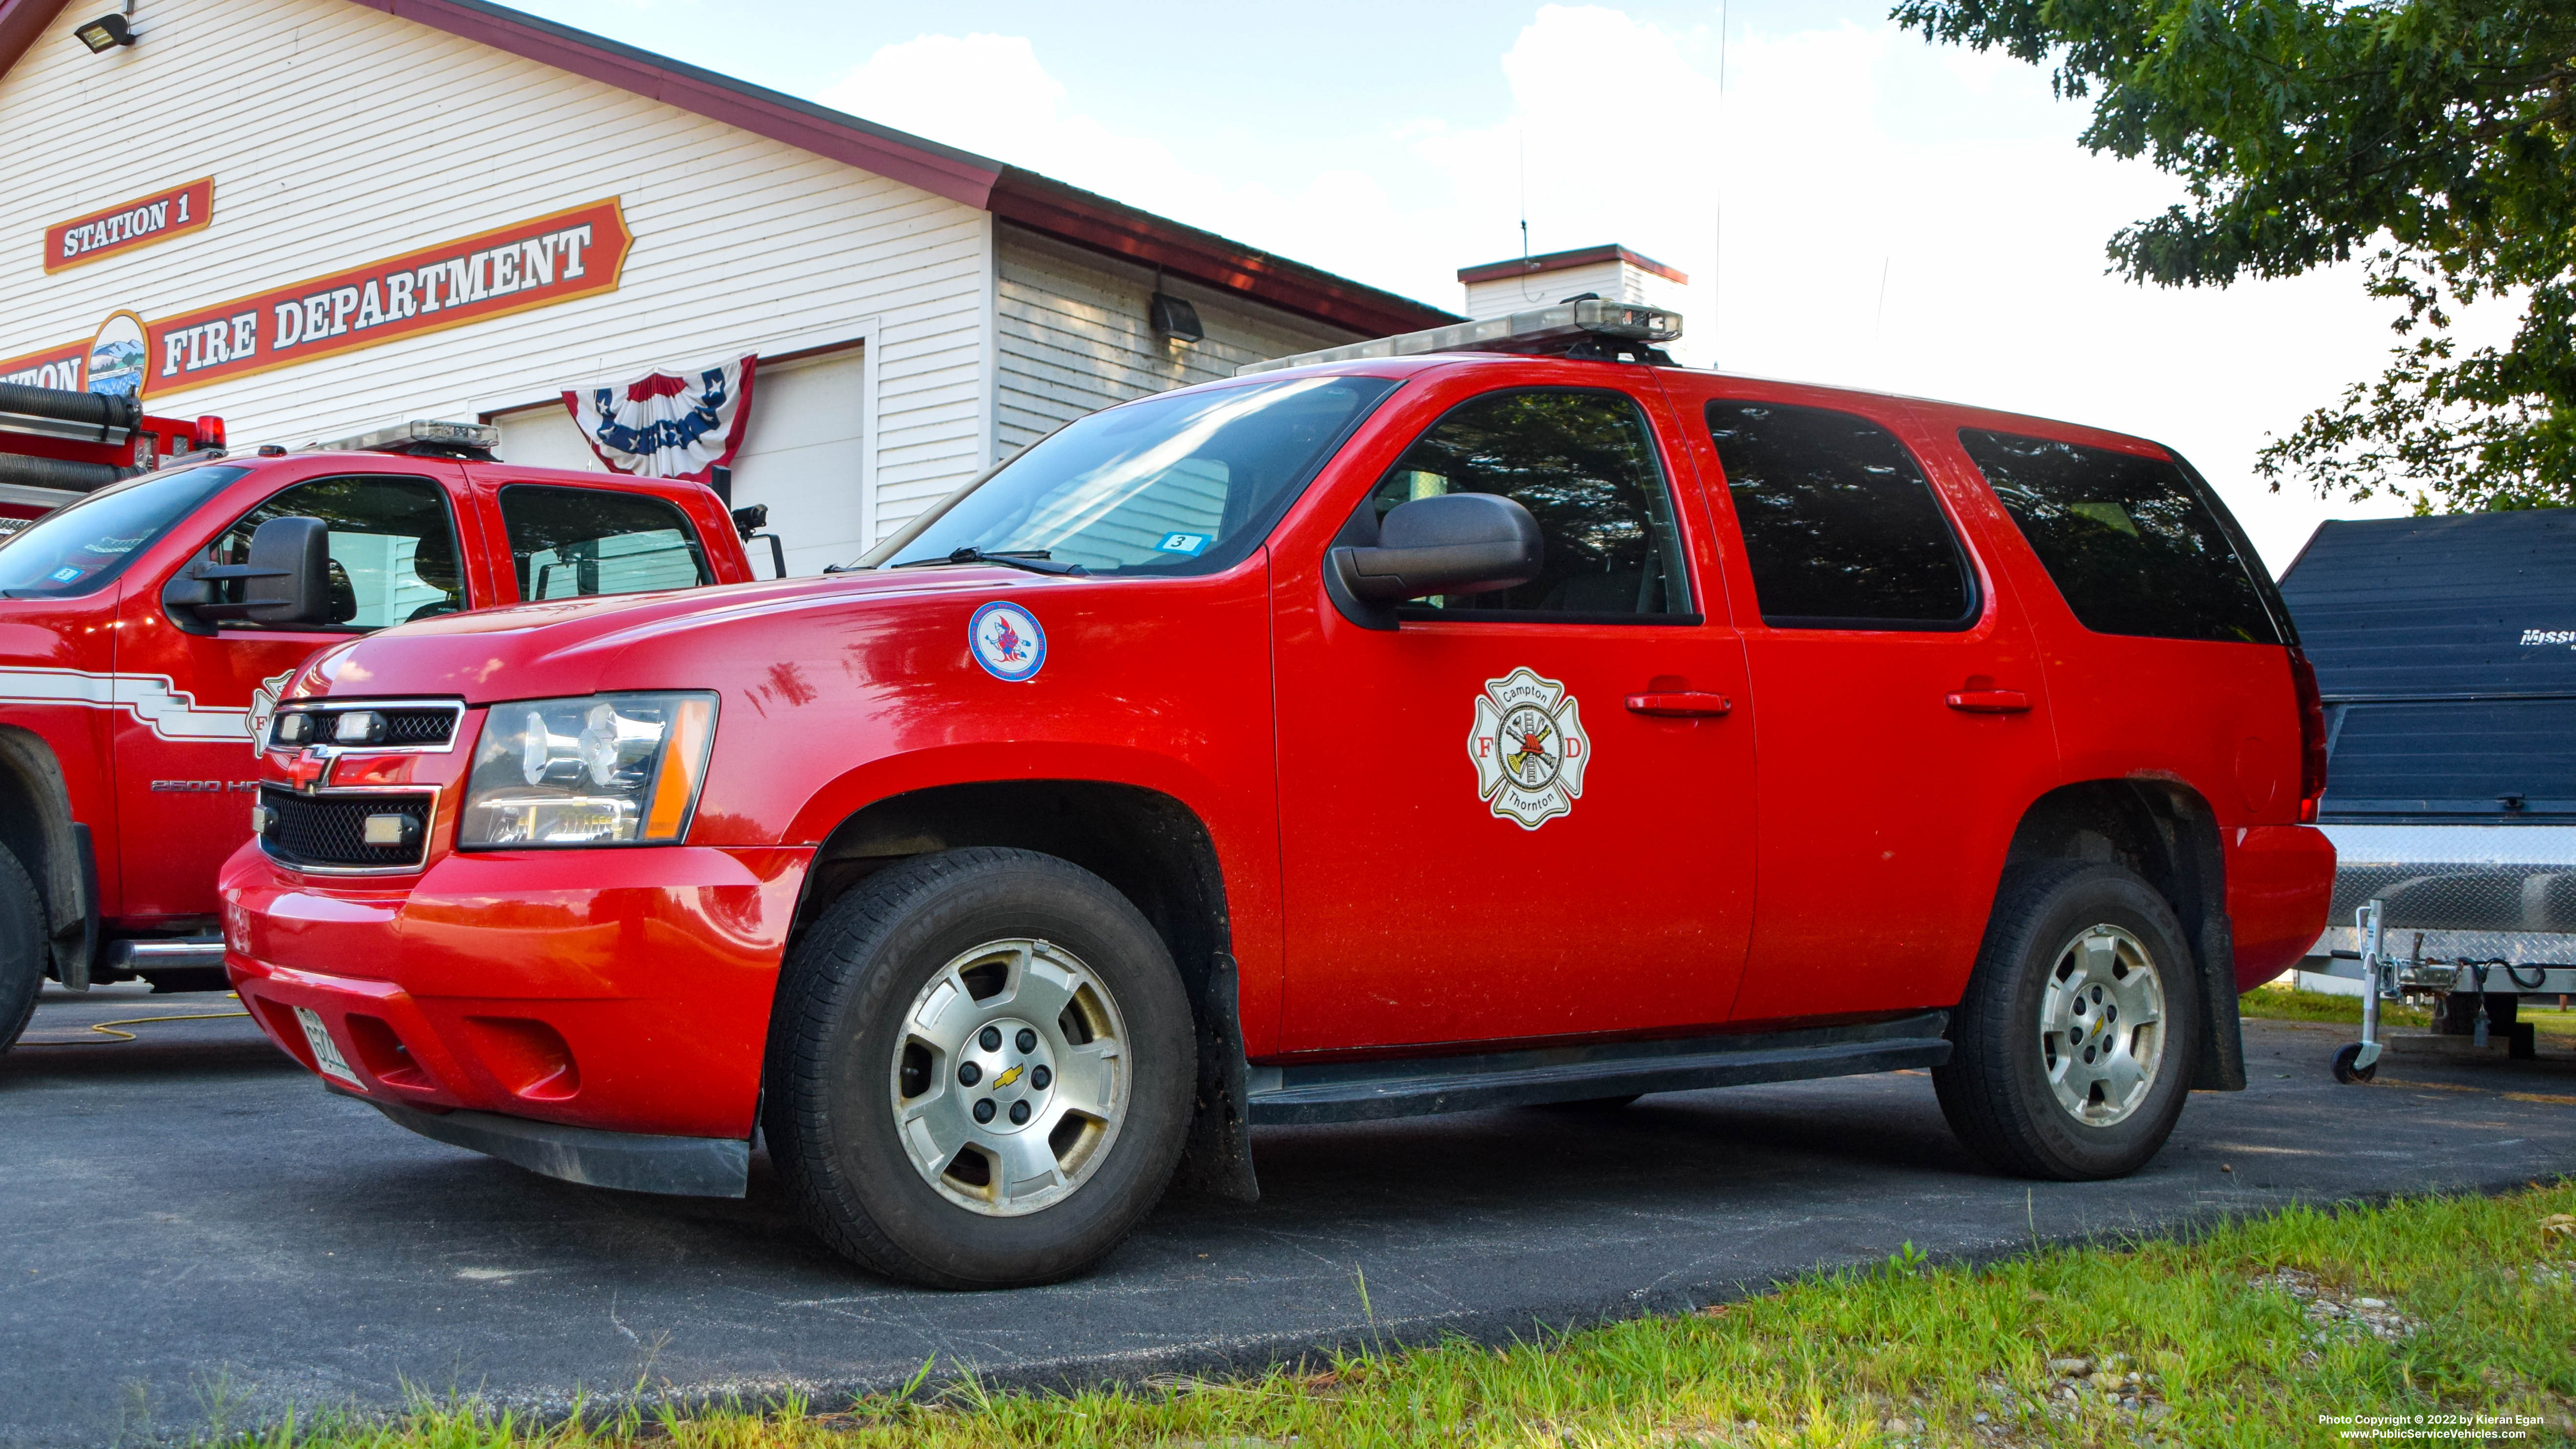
(1034, 560)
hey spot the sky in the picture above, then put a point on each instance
(1853, 205)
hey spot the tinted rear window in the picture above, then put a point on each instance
(1839, 524)
(2134, 547)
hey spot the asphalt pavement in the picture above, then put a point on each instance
(198, 1237)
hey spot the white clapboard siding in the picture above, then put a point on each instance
(1613, 280)
(1074, 338)
(338, 136)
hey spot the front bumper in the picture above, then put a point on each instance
(634, 1161)
(619, 991)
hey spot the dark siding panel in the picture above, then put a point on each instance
(2453, 758)
(2416, 606)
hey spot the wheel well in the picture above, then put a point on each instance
(1148, 846)
(36, 826)
(2166, 833)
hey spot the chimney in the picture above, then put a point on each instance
(1614, 273)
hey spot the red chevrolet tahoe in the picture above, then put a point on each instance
(1405, 731)
(147, 628)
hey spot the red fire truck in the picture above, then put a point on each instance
(156, 594)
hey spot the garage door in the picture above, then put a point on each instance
(801, 454)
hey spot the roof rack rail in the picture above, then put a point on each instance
(1583, 327)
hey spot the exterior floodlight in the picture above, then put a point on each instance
(1171, 317)
(106, 33)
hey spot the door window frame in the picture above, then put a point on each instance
(505, 558)
(447, 496)
(1680, 549)
(1983, 598)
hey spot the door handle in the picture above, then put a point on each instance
(1679, 704)
(1989, 701)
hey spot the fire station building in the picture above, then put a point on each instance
(315, 217)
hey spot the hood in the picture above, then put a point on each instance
(582, 646)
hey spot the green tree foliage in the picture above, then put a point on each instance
(2434, 138)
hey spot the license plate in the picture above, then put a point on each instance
(326, 1052)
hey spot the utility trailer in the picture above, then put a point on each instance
(2445, 649)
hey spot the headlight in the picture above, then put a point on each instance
(612, 769)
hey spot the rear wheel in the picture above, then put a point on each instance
(980, 1070)
(22, 948)
(2072, 1053)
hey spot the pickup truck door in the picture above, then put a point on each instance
(1897, 691)
(185, 763)
(1521, 814)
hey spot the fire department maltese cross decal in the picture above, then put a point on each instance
(1529, 748)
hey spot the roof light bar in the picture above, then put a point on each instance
(1540, 330)
(420, 433)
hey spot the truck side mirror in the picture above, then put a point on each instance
(1457, 543)
(287, 581)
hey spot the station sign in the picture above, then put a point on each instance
(534, 263)
(130, 224)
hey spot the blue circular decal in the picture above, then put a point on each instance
(1007, 641)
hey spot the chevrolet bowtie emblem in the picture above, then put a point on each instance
(308, 770)
(1006, 1078)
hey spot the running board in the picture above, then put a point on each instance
(1415, 1086)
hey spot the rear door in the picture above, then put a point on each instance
(566, 541)
(185, 759)
(1486, 834)
(1897, 699)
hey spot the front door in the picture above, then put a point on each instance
(1898, 696)
(1504, 818)
(185, 760)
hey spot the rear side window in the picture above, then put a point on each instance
(1839, 523)
(568, 543)
(1583, 463)
(2134, 547)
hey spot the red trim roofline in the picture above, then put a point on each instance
(1559, 261)
(21, 21)
(1031, 200)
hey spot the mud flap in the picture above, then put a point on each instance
(1218, 1160)
(76, 944)
(2222, 1053)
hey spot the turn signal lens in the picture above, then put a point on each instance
(684, 762)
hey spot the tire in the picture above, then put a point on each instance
(2344, 1069)
(2021, 1087)
(22, 948)
(1593, 1104)
(917, 1000)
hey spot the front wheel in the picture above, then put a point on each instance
(980, 1070)
(2072, 1052)
(22, 948)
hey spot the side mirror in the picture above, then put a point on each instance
(1458, 543)
(286, 582)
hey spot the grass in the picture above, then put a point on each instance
(2253, 1335)
(2282, 1002)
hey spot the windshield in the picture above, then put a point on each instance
(1182, 484)
(80, 546)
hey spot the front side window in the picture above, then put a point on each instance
(570, 543)
(1840, 526)
(1183, 484)
(2134, 547)
(1583, 463)
(82, 545)
(392, 544)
